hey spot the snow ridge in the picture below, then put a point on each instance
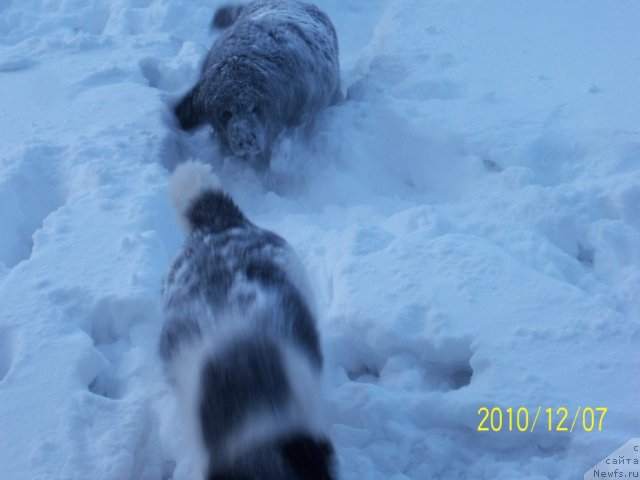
(469, 217)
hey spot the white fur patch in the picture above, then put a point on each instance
(188, 181)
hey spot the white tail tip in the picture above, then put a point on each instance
(188, 181)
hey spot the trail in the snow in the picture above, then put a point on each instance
(468, 217)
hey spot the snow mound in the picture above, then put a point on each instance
(469, 219)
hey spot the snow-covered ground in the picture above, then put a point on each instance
(469, 217)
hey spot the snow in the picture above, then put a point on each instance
(469, 219)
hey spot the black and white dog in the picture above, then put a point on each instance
(240, 343)
(274, 67)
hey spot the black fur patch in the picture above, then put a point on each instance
(226, 15)
(216, 212)
(247, 377)
(310, 458)
(227, 476)
(188, 111)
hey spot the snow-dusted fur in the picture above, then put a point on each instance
(240, 343)
(226, 15)
(275, 67)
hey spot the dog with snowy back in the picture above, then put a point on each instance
(274, 67)
(240, 343)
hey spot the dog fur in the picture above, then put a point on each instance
(274, 67)
(240, 343)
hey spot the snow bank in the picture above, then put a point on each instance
(469, 218)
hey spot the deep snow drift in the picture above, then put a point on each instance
(469, 217)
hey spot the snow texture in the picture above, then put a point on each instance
(469, 220)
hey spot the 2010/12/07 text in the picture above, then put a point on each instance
(523, 419)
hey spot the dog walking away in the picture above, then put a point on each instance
(240, 344)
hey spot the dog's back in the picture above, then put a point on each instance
(240, 343)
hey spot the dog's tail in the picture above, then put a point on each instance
(226, 15)
(199, 200)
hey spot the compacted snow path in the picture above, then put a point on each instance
(469, 217)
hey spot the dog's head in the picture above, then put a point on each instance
(242, 107)
(298, 457)
(244, 130)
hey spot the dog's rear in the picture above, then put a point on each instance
(240, 342)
